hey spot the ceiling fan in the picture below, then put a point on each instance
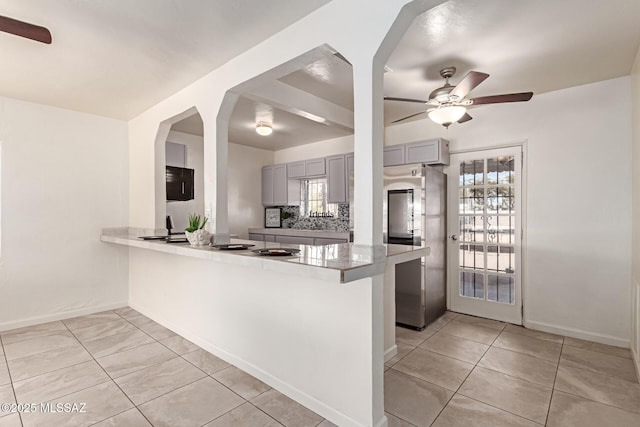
(24, 29)
(448, 104)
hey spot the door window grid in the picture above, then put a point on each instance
(487, 229)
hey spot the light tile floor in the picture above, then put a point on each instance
(460, 371)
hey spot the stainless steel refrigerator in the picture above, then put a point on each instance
(415, 214)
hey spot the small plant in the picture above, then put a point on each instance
(196, 222)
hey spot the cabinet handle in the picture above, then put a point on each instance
(183, 188)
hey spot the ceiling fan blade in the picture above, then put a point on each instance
(389, 98)
(408, 117)
(470, 81)
(24, 29)
(465, 118)
(498, 99)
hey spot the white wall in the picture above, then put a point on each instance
(635, 285)
(308, 338)
(245, 187)
(180, 210)
(325, 148)
(578, 215)
(64, 177)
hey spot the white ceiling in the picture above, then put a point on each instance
(95, 63)
(538, 46)
(117, 58)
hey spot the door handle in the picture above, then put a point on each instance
(453, 237)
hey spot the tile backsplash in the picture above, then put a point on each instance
(294, 220)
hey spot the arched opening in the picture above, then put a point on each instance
(179, 170)
(306, 105)
(184, 160)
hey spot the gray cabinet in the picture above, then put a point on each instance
(280, 185)
(350, 170)
(267, 186)
(296, 170)
(296, 240)
(306, 169)
(336, 179)
(176, 154)
(274, 185)
(325, 241)
(299, 239)
(315, 167)
(394, 155)
(430, 151)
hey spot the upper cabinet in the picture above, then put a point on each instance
(394, 155)
(430, 151)
(350, 168)
(306, 169)
(267, 186)
(337, 179)
(275, 187)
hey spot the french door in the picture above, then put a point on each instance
(484, 234)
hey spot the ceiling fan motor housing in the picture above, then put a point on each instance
(442, 93)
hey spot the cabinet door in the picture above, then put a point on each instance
(423, 151)
(336, 180)
(295, 170)
(280, 185)
(269, 238)
(258, 237)
(176, 154)
(350, 168)
(393, 155)
(327, 241)
(431, 151)
(267, 186)
(296, 240)
(315, 167)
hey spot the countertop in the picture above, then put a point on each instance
(339, 263)
(327, 234)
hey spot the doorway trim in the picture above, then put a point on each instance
(523, 145)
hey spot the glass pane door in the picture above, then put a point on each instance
(484, 247)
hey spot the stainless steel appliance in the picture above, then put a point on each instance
(415, 213)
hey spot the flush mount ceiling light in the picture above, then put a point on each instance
(264, 129)
(445, 115)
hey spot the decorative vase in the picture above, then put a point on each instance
(199, 237)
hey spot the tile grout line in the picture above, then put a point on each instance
(192, 364)
(112, 380)
(553, 387)
(467, 376)
(181, 356)
(604, 374)
(510, 376)
(106, 373)
(13, 389)
(588, 398)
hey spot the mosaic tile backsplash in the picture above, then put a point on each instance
(294, 220)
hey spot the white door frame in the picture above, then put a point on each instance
(523, 219)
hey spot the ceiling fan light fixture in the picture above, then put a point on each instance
(264, 129)
(447, 114)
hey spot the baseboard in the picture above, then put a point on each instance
(303, 398)
(59, 316)
(390, 353)
(578, 333)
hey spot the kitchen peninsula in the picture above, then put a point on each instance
(312, 326)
